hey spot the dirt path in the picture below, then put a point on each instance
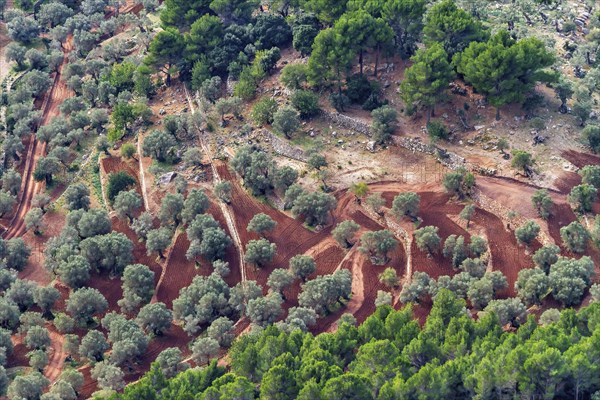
(229, 217)
(142, 174)
(356, 260)
(57, 358)
(29, 187)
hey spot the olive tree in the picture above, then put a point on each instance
(385, 120)
(34, 220)
(84, 303)
(138, 287)
(542, 202)
(406, 204)
(108, 376)
(286, 121)
(527, 233)
(582, 197)
(280, 279)
(314, 207)
(344, 233)
(93, 345)
(545, 256)
(532, 285)
(569, 278)
(126, 204)
(158, 240)
(155, 317)
(377, 245)
(302, 266)
(260, 252)
(574, 237)
(427, 239)
(261, 223)
(203, 349)
(170, 361)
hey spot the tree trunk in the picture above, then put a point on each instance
(376, 61)
(160, 254)
(498, 113)
(429, 113)
(360, 61)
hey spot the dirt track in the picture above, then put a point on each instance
(29, 187)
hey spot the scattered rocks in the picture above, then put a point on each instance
(167, 178)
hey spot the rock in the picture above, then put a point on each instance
(479, 127)
(167, 178)
(445, 116)
(386, 84)
(371, 146)
(312, 134)
(162, 111)
(340, 141)
(334, 133)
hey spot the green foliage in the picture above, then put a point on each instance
(286, 121)
(260, 252)
(590, 174)
(451, 26)
(532, 285)
(118, 182)
(314, 207)
(582, 197)
(499, 69)
(426, 80)
(522, 160)
(385, 120)
(569, 278)
(436, 131)
(574, 237)
(546, 256)
(406, 204)
(527, 233)
(293, 76)
(261, 223)
(542, 202)
(306, 103)
(427, 239)
(459, 183)
(159, 145)
(591, 134)
(263, 110)
(377, 245)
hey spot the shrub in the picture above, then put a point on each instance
(118, 182)
(263, 110)
(437, 131)
(306, 102)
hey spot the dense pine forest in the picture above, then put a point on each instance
(390, 356)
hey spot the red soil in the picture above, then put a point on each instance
(579, 159)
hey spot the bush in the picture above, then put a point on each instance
(294, 75)
(127, 150)
(359, 88)
(118, 182)
(263, 110)
(339, 101)
(306, 102)
(591, 134)
(437, 131)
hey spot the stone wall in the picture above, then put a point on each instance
(446, 158)
(347, 122)
(283, 147)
